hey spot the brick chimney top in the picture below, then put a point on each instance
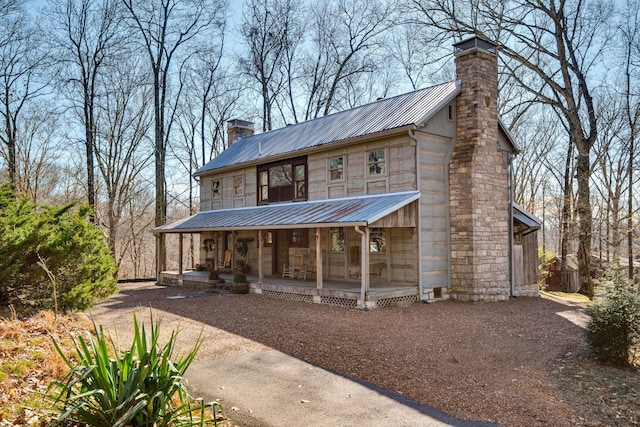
(475, 42)
(237, 129)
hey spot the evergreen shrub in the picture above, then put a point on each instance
(613, 331)
(35, 239)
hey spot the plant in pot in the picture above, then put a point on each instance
(214, 277)
(240, 284)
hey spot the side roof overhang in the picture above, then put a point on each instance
(351, 211)
(528, 221)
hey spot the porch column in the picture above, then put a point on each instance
(158, 257)
(180, 250)
(364, 265)
(260, 255)
(216, 245)
(318, 259)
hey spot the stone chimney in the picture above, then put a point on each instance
(478, 181)
(237, 129)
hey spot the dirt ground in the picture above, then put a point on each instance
(516, 363)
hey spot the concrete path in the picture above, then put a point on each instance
(269, 388)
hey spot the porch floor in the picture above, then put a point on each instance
(344, 292)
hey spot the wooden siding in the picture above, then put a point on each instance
(399, 164)
(434, 152)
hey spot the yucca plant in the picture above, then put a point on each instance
(141, 386)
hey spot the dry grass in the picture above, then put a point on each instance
(567, 296)
(29, 362)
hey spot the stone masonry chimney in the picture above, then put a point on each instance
(237, 129)
(478, 181)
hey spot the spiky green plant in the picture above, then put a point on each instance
(141, 386)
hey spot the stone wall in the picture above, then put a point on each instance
(478, 185)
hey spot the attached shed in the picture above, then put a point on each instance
(525, 252)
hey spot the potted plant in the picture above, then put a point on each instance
(240, 284)
(214, 278)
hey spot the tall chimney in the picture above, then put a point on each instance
(478, 181)
(237, 129)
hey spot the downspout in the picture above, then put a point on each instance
(510, 214)
(412, 135)
(364, 266)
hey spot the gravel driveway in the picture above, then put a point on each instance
(492, 362)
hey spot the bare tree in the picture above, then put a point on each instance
(630, 31)
(87, 36)
(557, 43)
(122, 125)
(266, 31)
(344, 36)
(164, 27)
(22, 60)
(38, 152)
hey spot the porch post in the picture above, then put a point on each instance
(318, 259)
(260, 255)
(180, 250)
(364, 265)
(216, 245)
(158, 258)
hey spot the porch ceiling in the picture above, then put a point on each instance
(351, 211)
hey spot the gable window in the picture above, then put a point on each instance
(336, 169)
(377, 240)
(337, 239)
(376, 162)
(282, 181)
(238, 185)
(215, 189)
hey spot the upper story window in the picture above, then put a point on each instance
(215, 189)
(376, 162)
(238, 185)
(336, 169)
(282, 181)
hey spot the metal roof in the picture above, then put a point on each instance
(412, 108)
(525, 217)
(350, 211)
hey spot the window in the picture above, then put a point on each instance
(300, 181)
(215, 189)
(336, 169)
(282, 181)
(238, 185)
(450, 112)
(263, 183)
(376, 162)
(299, 238)
(337, 239)
(377, 240)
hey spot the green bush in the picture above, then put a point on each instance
(141, 386)
(613, 331)
(58, 239)
(239, 278)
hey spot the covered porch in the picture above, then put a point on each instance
(359, 285)
(343, 293)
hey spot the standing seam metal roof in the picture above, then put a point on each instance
(412, 108)
(362, 210)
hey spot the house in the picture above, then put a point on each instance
(403, 199)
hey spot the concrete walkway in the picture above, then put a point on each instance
(269, 388)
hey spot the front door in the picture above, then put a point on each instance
(280, 250)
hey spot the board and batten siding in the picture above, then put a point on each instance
(400, 168)
(228, 197)
(434, 154)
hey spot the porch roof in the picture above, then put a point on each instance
(349, 211)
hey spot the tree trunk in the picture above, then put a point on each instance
(583, 209)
